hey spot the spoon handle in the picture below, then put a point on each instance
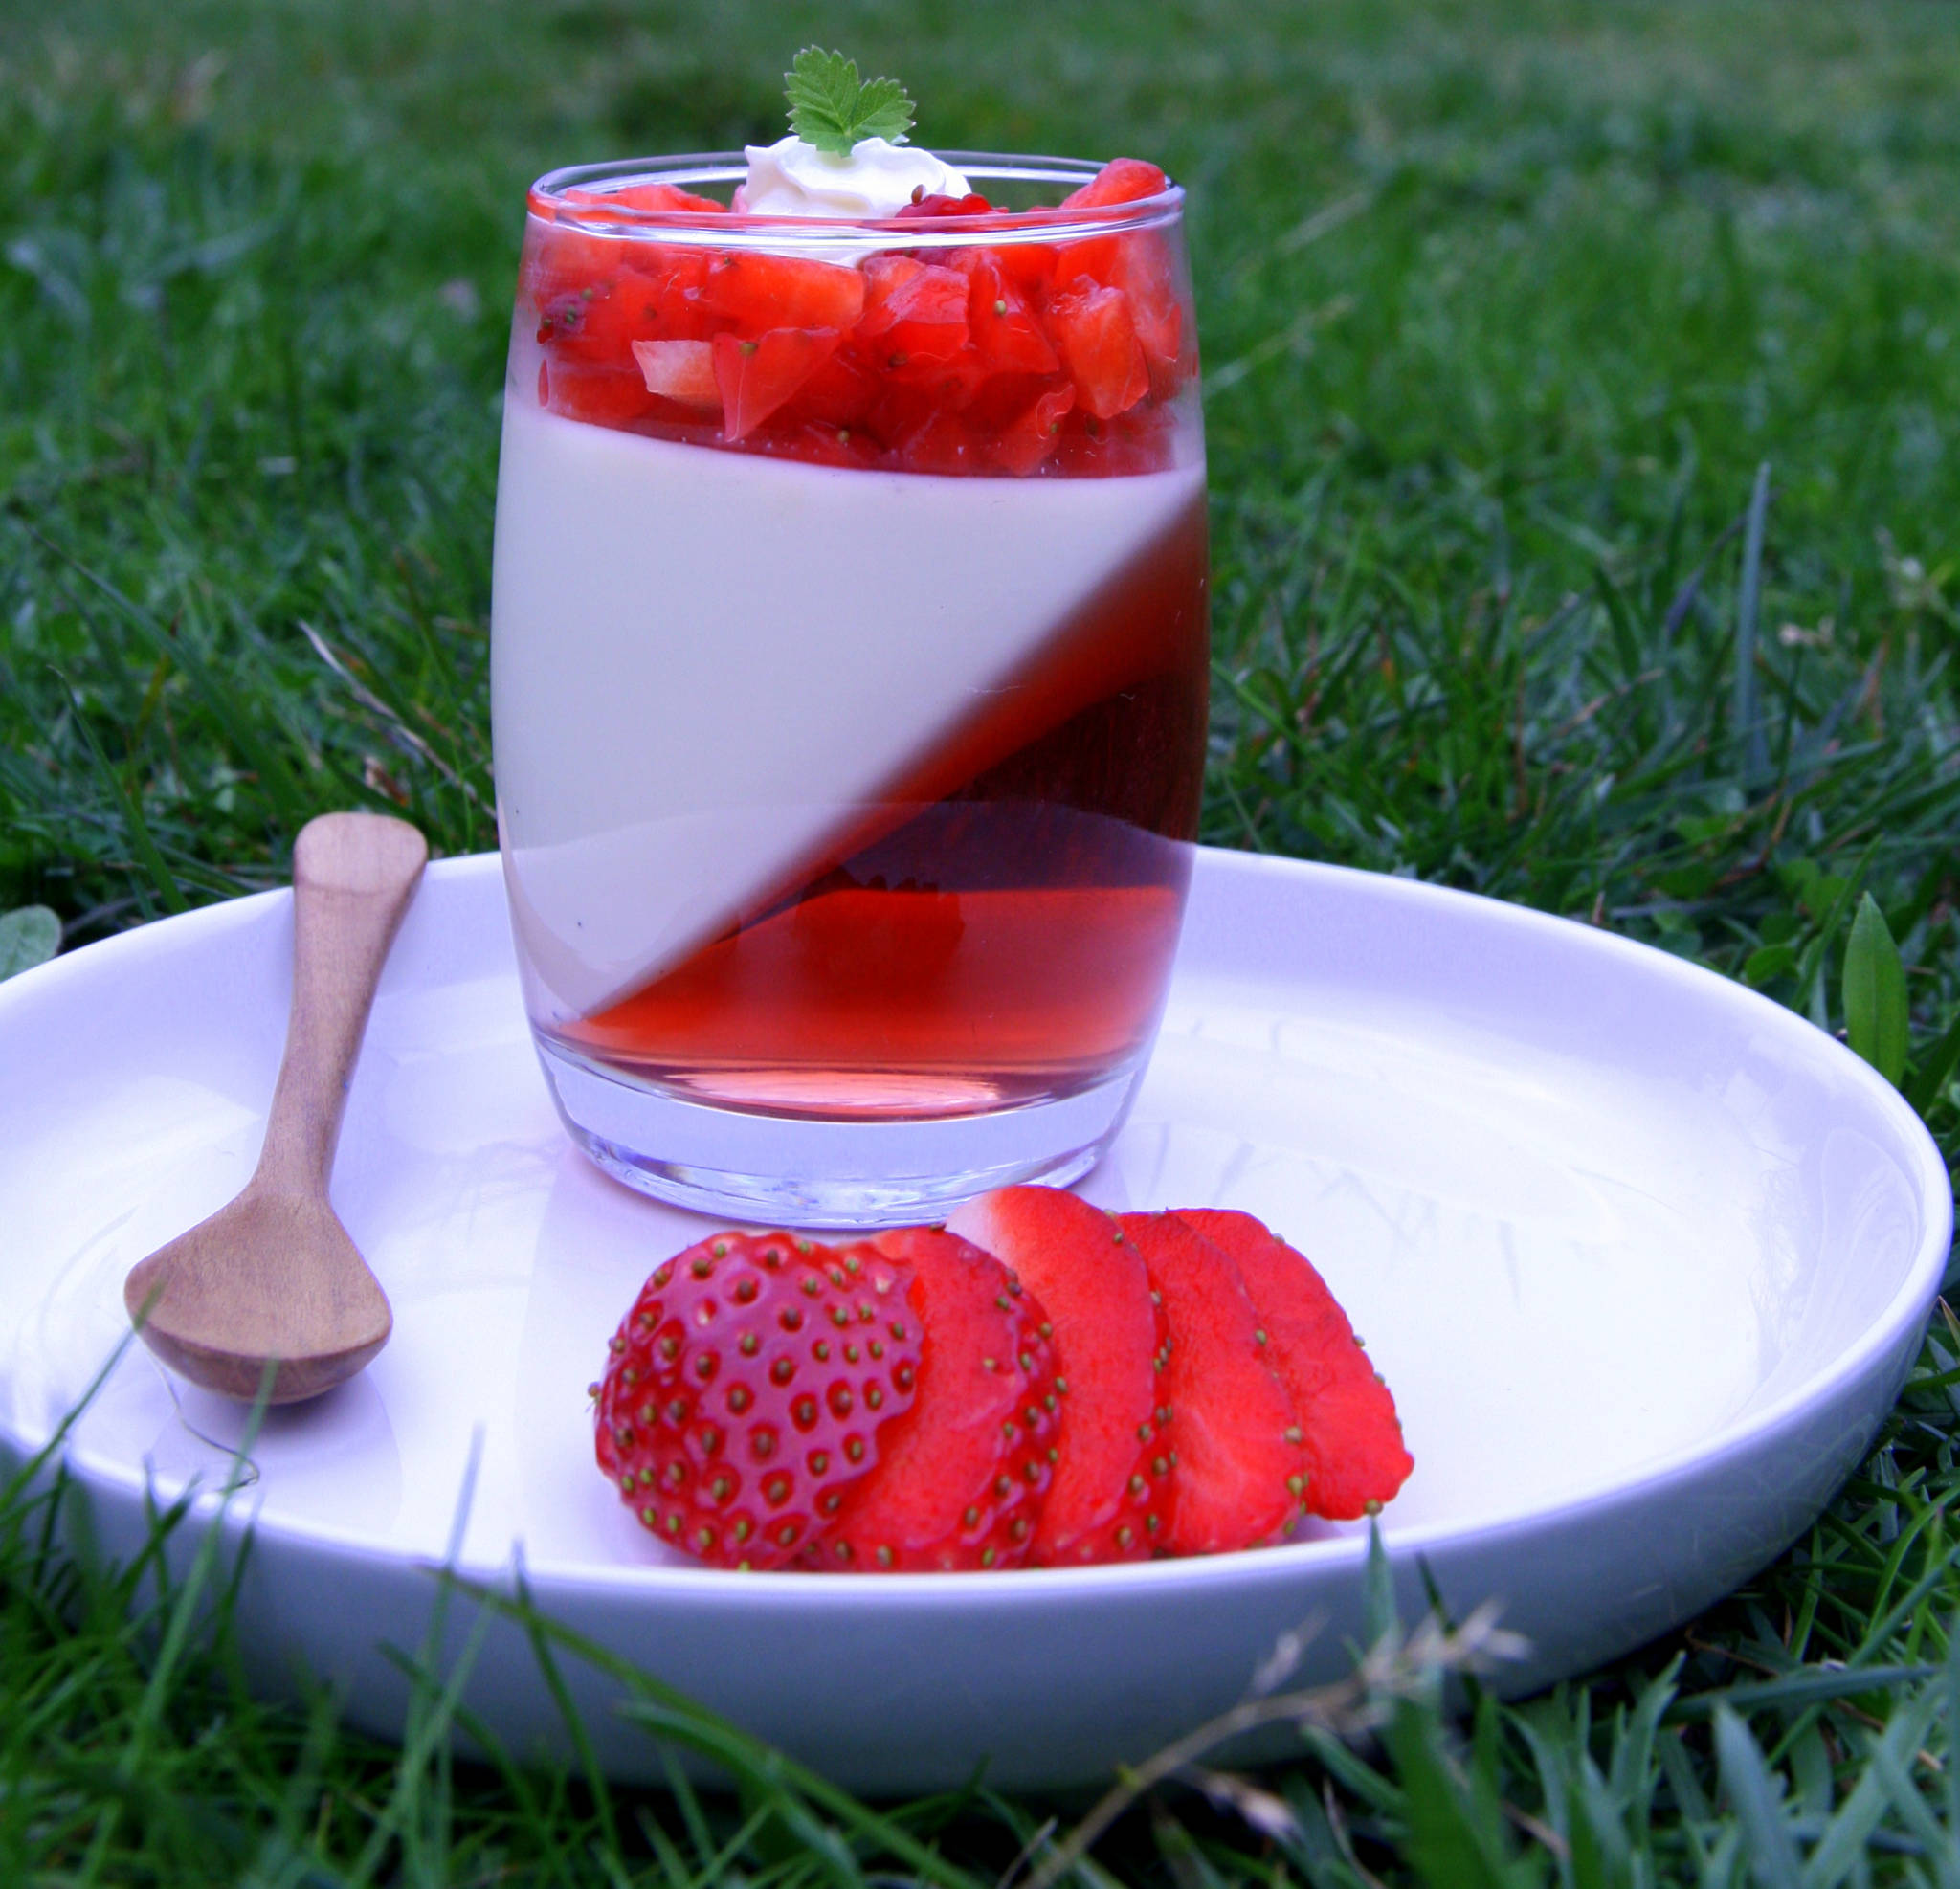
(353, 875)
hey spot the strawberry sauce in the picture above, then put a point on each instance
(998, 926)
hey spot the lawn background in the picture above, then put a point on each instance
(1505, 309)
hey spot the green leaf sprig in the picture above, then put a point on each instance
(833, 110)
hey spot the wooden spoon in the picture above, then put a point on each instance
(274, 1276)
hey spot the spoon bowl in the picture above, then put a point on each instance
(269, 1276)
(273, 1280)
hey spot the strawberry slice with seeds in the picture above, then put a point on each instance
(1111, 1347)
(750, 1388)
(963, 1476)
(1238, 1468)
(1005, 332)
(1353, 1439)
(1092, 326)
(915, 313)
(760, 291)
(757, 376)
(1030, 441)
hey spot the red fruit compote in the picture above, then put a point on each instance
(848, 674)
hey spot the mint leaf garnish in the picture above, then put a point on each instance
(833, 110)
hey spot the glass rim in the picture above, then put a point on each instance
(547, 199)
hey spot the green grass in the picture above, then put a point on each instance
(1505, 306)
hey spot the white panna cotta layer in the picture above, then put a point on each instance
(707, 663)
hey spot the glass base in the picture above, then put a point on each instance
(785, 1170)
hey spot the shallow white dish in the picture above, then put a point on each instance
(1644, 1256)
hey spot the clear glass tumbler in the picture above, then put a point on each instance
(849, 678)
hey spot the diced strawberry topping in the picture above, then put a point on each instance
(1239, 1470)
(750, 1387)
(756, 377)
(1121, 180)
(1099, 343)
(1356, 1456)
(998, 357)
(681, 370)
(962, 1478)
(1110, 1351)
(761, 291)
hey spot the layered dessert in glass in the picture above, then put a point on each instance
(849, 666)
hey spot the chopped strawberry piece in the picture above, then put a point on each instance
(962, 1477)
(1006, 334)
(1097, 338)
(1110, 1343)
(1030, 441)
(1121, 180)
(598, 324)
(915, 313)
(761, 291)
(1238, 1467)
(751, 1383)
(1142, 440)
(820, 443)
(942, 443)
(841, 392)
(1355, 1456)
(973, 203)
(756, 377)
(1144, 269)
(681, 370)
(600, 396)
(643, 196)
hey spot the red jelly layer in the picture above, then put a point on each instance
(999, 926)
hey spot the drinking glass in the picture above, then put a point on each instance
(849, 672)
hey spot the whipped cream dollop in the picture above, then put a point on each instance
(790, 178)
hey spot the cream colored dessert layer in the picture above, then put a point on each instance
(707, 664)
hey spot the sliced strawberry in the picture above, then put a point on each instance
(1121, 180)
(1111, 1340)
(962, 1478)
(1238, 1470)
(760, 291)
(1356, 1456)
(757, 376)
(681, 370)
(1092, 326)
(750, 1387)
(915, 313)
(1028, 443)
